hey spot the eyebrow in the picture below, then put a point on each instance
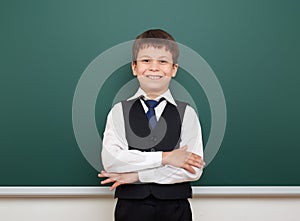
(163, 57)
(147, 56)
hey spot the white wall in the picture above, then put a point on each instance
(214, 208)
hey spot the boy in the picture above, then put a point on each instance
(152, 145)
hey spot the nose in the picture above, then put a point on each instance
(153, 65)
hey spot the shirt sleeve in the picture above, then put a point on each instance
(116, 157)
(191, 136)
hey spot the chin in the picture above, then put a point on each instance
(154, 88)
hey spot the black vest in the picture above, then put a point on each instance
(164, 137)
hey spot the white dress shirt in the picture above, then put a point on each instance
(116, 157)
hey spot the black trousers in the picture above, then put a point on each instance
(152, 209)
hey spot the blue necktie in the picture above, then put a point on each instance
(151, 104)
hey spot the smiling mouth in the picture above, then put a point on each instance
(154, 77)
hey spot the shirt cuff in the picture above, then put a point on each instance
(155, 159)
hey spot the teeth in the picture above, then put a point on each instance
(154, 77)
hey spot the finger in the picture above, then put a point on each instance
(101, 175)
(193, 163)
(192, 156)
(105, 174)
(108, 180)
(200, 164)
(115, 185)
(189, 168)
(196, 157)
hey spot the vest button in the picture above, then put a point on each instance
(154, 139)
(152, 149)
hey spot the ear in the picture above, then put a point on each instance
(174, 71)
(133, 67)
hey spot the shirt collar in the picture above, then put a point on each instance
(167, 95)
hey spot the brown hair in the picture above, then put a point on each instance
(156, 38)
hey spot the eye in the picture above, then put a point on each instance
(163, 62)
(146, 60)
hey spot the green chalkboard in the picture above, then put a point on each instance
(252, 47)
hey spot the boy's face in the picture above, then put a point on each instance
(154, 69)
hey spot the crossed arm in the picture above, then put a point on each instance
(129, 166)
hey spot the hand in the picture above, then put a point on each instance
(183, 159)
(118, 178)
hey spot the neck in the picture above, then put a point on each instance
(153, 95)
